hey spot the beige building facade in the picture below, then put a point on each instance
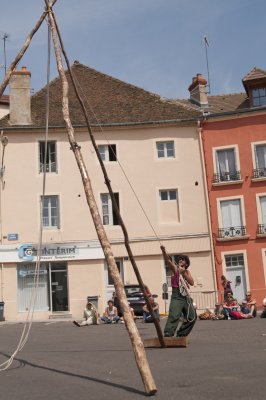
(156, 172)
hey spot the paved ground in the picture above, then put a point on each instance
(224, 360)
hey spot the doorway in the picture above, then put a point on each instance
(109, 281)
(235, 273)
(59, 287)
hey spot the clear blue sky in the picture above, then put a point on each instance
(154, 44)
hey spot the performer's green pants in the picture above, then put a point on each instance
(180, 305)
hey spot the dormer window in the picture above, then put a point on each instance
(259, 97)
(255, 85)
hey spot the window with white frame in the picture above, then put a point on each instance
(232, 222)
(168, 195)
(226, 165)
(26, 282)
(234, 260)
(107, 152)
(48, 163)
(260, 160)
(50, 211)
(169, 206)
(262, 225)
(108, 213)
(119, 264)
(259, 97)
(165, 149)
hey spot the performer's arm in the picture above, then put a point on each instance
(188, 277)
(168, 260)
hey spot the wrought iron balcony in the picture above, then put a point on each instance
(259, 173)
(227, 177)
(262, 229)
(232, 232)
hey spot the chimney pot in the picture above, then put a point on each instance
(197, 91)
(20, 102)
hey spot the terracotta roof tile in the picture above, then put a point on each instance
(222, 103)
(108, 101)
(255, 73)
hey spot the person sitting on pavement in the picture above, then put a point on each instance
(263, 314)
(117, 304)
(91, 316)
(218, 311)
(110, 314)
(147, 317)
(249, 306)
(230, 304)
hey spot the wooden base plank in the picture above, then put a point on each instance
(169, 342)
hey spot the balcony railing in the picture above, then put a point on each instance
(262, 229)
(259, 173)
(227, 177)
(232, 232)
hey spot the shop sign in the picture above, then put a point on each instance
(12, 236)
(27, 252)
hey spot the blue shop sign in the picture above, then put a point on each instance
(12, 236)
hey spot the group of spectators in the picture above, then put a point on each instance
(230, 308)
(113, 314)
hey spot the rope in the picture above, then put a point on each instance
(182, 280)
(119, 163)
(29, 318)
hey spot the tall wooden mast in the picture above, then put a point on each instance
(137, 344)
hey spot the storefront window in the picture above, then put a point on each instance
(25, 274)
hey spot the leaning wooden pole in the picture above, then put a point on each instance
(22, 51)
(137, 344)
(114, 202)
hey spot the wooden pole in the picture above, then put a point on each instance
(22, 51)
(137, 344)
(114, 202)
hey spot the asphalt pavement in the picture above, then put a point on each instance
(224, 360)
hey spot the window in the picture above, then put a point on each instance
(232, 224)
(119, 265)
(262, 225)
(226, 166)
(108, 152)
(108, 213)
(50, 163)
(168, 195)
(235, 260)
(169, 206)
(260, 159)
(50, 211)
(259, 97)
(25, 278)
(165, 149)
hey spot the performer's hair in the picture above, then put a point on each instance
(182, 257)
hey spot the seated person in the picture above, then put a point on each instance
(230, 304)
(91, 316)
(147, 317)
(218, 311)
(263, 314)
(249, 305)
(110, 314)
(117, 304)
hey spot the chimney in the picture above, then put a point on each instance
(197, 91)
(20, 105)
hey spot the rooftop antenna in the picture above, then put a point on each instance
(4, 38)
(206, 44)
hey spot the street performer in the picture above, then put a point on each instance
(181, 303)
